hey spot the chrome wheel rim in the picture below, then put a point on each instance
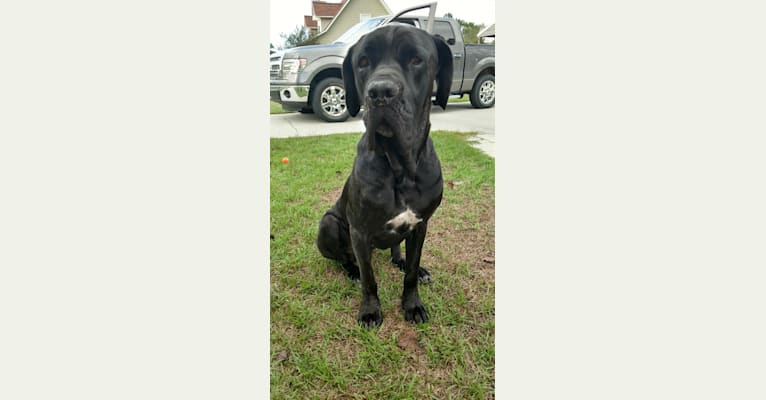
(333, 101)
(487, 92)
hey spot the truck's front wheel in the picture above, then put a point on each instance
(483, 92)
(329, 100)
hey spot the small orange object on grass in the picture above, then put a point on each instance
(285, 160)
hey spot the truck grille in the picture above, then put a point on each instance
(275, 64)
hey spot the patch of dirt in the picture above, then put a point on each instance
(408, 341)
(332, 196)
(394, 326)
(282, 356)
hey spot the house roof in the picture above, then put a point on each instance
(309, 22)
(344, 4)
(324, 9)
(487, 32)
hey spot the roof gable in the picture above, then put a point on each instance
(345, 3)
(487, 32)
(324, 9)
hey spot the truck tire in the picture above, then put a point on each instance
(483, 92)
(328, 99)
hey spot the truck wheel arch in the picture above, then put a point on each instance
(334, 72)
(484, 71)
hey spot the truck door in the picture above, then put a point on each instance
(444, 28)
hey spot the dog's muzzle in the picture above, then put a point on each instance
(383, 92)
(384, 103)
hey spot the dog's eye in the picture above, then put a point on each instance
(416, 60)
(363, 62)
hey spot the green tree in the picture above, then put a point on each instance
(470, 29)
(300, 36)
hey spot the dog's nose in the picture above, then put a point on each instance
(382, 91)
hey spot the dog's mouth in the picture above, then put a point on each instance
(385, 130)
(384, 121)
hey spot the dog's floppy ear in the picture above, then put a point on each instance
(444, 73)
(349, 81)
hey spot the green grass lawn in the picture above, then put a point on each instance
(276, 108)
(461, 99)
(317, 349)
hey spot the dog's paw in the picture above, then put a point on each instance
(399, 263)
(352, 272)
(415, 312)
(370, 321)
(355, 277)
(423, 275)
(369, 314)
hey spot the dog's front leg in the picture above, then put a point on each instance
(369, 311)
(414, 310)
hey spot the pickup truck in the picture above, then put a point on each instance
(308, 78)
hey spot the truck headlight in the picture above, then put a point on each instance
(292, 67)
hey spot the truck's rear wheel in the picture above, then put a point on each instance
(483, 92)
(329, 100)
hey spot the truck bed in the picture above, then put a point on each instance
(474, 55)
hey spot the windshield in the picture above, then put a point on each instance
(356, 31)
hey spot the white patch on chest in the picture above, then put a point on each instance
(403, 222)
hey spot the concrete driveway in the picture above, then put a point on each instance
(459, 117)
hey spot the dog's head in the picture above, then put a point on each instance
(391, 72)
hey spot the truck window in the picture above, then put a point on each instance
(444, 29)
(356, 31)
(407, 21)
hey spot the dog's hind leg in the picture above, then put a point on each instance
(396, 258)
(334, 242)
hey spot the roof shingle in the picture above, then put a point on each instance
(323, 9)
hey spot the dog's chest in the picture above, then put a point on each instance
(403, 222)
(399, 208)
(388, 206)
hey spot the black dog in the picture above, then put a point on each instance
(396, 181)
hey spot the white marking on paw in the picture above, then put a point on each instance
(407, 218)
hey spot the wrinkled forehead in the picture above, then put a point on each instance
(394, 39)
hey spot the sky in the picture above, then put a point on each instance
(286, 14)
